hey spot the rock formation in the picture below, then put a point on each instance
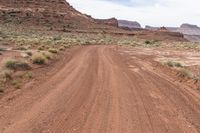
(129, 24)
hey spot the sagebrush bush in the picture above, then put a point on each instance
(47, 55)
(57, 37)
(147, 42)
(174, 64)
(196, 79)
(16, 84)
(170, 63)
(29, 53)
(29, 75)
(2, 49)
(1, 88)
(38, 59)
(184, 73)
(54, 51)
(20, 48)
(14, 64)
(7, 75)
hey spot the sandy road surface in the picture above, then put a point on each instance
(102, 90)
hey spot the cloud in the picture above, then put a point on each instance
(147, 12)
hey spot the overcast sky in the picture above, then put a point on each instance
(146, 12)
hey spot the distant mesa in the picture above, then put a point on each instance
(185, 25)
(129, 24)
(111, 21)
(190, 32)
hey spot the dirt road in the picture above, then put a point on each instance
(102, 90)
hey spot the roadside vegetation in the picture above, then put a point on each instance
(183, 71)
(36, 48)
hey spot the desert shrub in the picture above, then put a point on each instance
(47, 55)
(147, 42)
(170, 63)
(196, 79)
(178, 64)
(174, 64)
(57, 37)
(40, 48)
(16, 84)
(29, 75)
(67, 46)
(20, 48)
(38, 59)
(29, 53)
(2, 49)
(7, 75)
(184, 73)
(1, 88)
(14, 65)
(61, 48)
(54, 51)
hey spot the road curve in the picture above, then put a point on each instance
(102, 90)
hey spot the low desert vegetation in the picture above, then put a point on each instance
(7, 75)
(38, 59)
(47, 55)
(1, 88)
(15, 64)
(40, 47)
(54, 51)
(2, 49)
(184, 73)
(29, 53)
(22, 48)
(174, 64)
(57, 37)
(16, 84)
(29, 75)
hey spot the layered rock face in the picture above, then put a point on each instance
(42, 12)
(129, 24)
(190, 32)
(111, 21)
(189, 29)
(50, 13)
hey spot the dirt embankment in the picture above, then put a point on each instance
(102, 89)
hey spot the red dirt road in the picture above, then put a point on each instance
(102, 90)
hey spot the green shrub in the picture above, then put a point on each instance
(2, 49)
(29, 53)
(29, 75)
(14, 65)
(196, 79)
(47, 55)
(61, 48)
(1, 88)
(170, 63)
(174, 64)
(7, 75)
(178, 64)
(38, 59)
(147, 42)
(54, 51)
(57, 37)
(16, 84)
